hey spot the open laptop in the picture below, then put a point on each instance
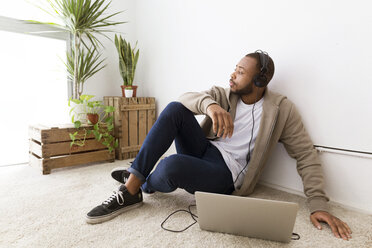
(246, 216)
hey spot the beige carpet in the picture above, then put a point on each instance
(48, 211)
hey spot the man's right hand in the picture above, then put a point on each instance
(222, 121)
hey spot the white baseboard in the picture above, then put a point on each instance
(279, 187)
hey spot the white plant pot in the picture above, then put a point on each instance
(79, 112)
(128, 92)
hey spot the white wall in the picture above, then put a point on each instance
(107, 81)
(192, 45)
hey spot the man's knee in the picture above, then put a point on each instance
(169, 167)
(175, 107)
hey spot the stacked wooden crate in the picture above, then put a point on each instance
(50, 148)
(133, 119)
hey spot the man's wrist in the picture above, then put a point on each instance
(318, 204)
(207, 102)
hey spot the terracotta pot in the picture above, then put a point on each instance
(134, 87)
(93, 118)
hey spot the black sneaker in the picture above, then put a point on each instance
(116, 204)
(120, 174)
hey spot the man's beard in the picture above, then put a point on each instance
(246, 90)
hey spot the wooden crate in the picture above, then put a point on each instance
(133, 119)
(50, 148)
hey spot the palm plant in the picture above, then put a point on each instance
(88, 64)
(83, 19)
(128, 58)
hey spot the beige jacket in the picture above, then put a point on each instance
(280, 123)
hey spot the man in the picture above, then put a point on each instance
(226, 153)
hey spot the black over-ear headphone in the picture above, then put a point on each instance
(260, 80)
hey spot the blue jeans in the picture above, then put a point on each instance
(197, 166)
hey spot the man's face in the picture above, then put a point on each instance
(241, 79)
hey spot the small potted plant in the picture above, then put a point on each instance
(79, 108)
(98, 115)
(93, 112)
(128, 58)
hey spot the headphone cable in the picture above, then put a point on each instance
(249, 146)
(193, 216)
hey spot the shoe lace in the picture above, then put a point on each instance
(118, 195)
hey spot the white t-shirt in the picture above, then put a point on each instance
(235, 149)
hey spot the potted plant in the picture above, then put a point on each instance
(101, 120)
(128, 58)
(92, 114)
(79, 108)
(83, 20)
(91, 109)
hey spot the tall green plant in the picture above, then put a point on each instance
(128, 58)
(88, 64)
(83, 19)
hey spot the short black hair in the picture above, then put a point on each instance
(270, 65)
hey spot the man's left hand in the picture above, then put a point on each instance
(339, 228)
